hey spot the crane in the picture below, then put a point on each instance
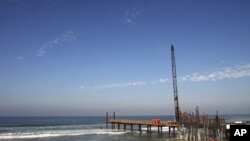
(176, 102)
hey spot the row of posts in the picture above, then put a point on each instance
(202, 126)
(107, 120)
(160, 131)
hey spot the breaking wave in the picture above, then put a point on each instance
(41, 132)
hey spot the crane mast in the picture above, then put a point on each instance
(176, 102)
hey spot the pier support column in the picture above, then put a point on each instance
(107, 120)
(174, 131)
(124, 127)
(140, 128)
(169, 131)
(131, 127)
(118, 126)
(161, 130)
(113, 115)
(150, 129)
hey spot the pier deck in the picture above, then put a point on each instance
(141, 123)
(144, 122)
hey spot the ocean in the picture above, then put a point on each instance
(88, 128)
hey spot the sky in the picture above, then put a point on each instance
(88, 57)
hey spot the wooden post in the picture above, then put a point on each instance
(124, 126)
(169, 131)
(189, 131)
(174, 131)
(161, 130)
(113, 125)
(118, 126)
(107, 120)
(140, 128)
(113, 115)
(158, 129)
(150, 129)
(131, 127)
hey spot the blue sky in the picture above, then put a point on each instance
(76, 58)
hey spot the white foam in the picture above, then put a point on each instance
(57, 133)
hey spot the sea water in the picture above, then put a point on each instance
(80, 129)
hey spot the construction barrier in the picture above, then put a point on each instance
(156, 121)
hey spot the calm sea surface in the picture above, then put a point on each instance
(79, 129)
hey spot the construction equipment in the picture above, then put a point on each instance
(176, 102)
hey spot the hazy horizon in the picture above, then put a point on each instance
(78, 58)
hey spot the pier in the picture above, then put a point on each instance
(125, 123)
(191, 127)
(147, 123)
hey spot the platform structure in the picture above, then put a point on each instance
(141, 123)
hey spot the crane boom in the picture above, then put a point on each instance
(176, 102)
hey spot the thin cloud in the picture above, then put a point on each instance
(163, 80)
(66, 37)
(237, 71)
(19, 57)
(116, 85)
(131, 15)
